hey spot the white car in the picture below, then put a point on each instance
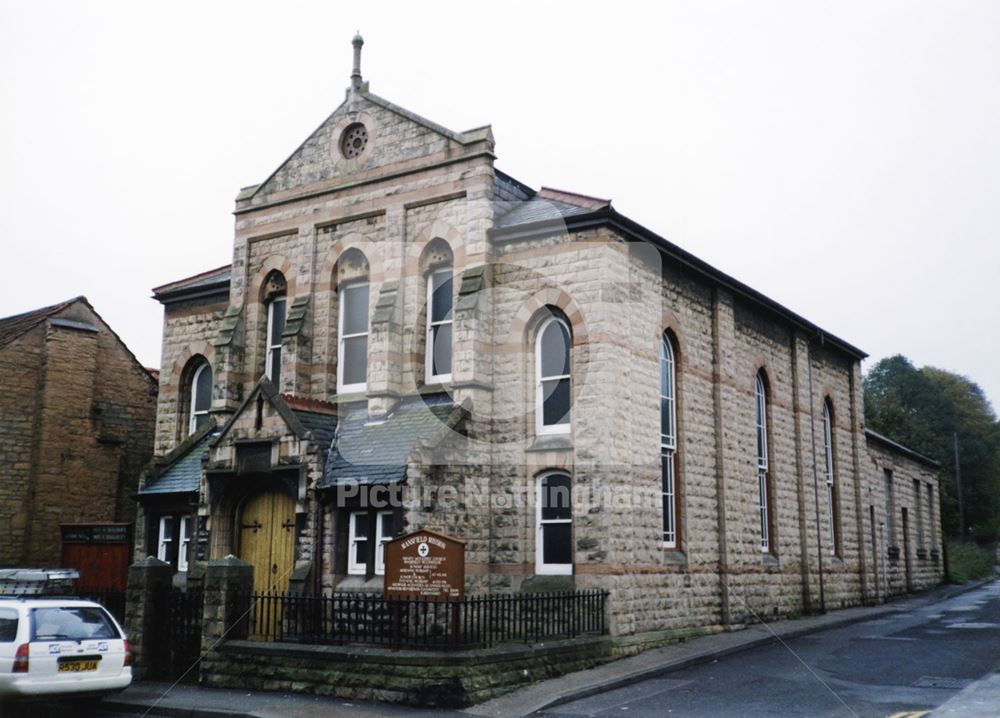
(51, 647)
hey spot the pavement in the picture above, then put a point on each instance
(980, 700)
(189, 701)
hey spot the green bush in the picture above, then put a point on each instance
(968, 561)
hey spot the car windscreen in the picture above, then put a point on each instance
(8, 625)
(78, 623)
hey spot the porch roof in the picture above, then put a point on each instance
(179, 472)
(376, 452)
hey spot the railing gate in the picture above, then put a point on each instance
(178, 627)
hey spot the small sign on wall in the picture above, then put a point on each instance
(425, 565)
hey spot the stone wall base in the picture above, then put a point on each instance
(444, 680)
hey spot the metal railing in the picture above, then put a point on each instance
(473, 622)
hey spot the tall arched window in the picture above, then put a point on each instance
(200, 399)
(553, 393)
(439, 325)
(352, 364)
(831, 488)
(668, 442)
(554, 542)
(763, 484)
(275, 299)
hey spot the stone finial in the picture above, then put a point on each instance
(358, 41)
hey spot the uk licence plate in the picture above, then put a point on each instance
(77, 666)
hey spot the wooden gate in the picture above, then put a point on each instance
(267, 540)
(100, 552)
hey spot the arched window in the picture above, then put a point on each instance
(352, 363)
(554, 542)
(831, 488)
(668, 442)
(439, 325)
(200, 399)
(553, 393)
(763, 483)
(275, 299)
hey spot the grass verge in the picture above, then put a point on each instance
(968, 561)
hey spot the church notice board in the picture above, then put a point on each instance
(425, 565)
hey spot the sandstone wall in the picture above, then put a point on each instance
(22, 368)
(82, 434)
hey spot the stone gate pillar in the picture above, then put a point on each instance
(227, 588)
(147, 580)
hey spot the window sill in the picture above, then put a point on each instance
(435, 388)
(551, 442)
(836, 561)
(674, 557)
(350, 397)
(769, 560)
(360, 584)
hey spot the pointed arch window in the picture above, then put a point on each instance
(201, 397)
(439, 325)
(829, 473)
(763, 480)
(553, 394)
(668, 442)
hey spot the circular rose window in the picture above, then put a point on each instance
(354, 140)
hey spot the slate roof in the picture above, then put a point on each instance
(377, 453)
(549, 205)
(906, 451)
(214, 280)
(323, 426)
(13, 327)
(181, 471)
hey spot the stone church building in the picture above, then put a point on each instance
(408, 337)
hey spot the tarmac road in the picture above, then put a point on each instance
(901, 664)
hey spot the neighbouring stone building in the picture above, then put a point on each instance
(77, 416)
(408, 337)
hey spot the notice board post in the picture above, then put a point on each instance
(425, 566)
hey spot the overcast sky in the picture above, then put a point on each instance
(841, 157)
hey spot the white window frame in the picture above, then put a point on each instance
(890, 506)
(183, 543)
(429, 376)
(540, 426)
(762, 464)
(918, 509)
(353, 567)
(542, 568)
(165, 538)
(828, 456)
(194, 414)
(381, 541)
(273, 342)
(668, 444)
(341, 356)
(932, 529)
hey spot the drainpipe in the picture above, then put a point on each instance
(812, 431)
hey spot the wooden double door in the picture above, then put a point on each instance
(267, 540)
